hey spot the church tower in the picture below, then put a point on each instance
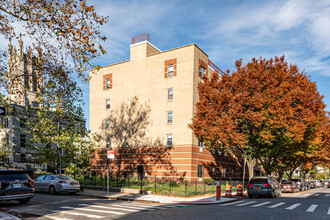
(23, 75)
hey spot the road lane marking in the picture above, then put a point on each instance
(57, 217)
(247, 203)
(140, 208)
(261, 204)
(328, 211)
(293, 206)
(77, 214)
(316, 194)
(108, 207)
(93, 210)
(231, 203)
(276, 205)
(311, 208)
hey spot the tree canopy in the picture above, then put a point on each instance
(266, 109)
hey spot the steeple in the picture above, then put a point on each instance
(20, 42)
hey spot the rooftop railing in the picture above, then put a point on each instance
(215, 68)
(140, 38)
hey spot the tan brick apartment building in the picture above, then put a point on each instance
(167, 81)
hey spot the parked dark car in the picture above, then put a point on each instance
(57, 184)
(16, 185)
(301, 183)
(264, 186)
(289, 186)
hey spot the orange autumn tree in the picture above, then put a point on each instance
(265, 109)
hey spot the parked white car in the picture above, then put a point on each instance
(56, 184)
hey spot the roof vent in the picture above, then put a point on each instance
(140, 38)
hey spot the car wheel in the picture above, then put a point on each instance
(24, 201)
(52, 190)
(72, 193)
(250, 196)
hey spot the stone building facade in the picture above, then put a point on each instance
(167, 81)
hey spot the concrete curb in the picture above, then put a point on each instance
(5, 216)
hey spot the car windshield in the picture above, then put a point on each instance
(64, 177)
(259, 180)
(287, 182)
(13, 176)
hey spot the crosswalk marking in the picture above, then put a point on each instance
(78, 214)
(277, 205)
(293, 206)
(93, 210)
(328, 211)
(141, 208)
(261, 204)
(311, 208)
(231, 203)
(247, 203)
(57, 218)
(327, 195)
(316, 194)
(109, 207)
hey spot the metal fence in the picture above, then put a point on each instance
(156, 186)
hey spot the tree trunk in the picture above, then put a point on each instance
(251, 162)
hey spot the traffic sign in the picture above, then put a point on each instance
(110, 154)
(2, 111)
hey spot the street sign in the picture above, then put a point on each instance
(110, 154)
(2, 111)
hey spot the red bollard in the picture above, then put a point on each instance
(218, 190)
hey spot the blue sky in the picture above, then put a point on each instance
(226, 31)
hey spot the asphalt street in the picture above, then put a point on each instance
(312, 204)
(66, 207)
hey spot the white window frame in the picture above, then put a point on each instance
(107, 143)
(106, 104)
(201, 73)
(169, 116)
(169, 137)
(107, 83)
(168, 94)
(200, 145)
(107, 124)
(170, 73)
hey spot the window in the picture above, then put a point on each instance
(224, 172)
(22, 140)
(34, 82)
(169, 141)
(169, 117)
(107, 81)
(200, 145)
(22, 122)
(107, 84)
(23, 158)
(170, 94)
(201, 71)
(170, 71)
(200, 171)
(107, 124)
(107, 143)
(107, 104)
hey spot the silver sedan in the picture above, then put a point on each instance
(56, 184)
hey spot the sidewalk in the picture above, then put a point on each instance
(5, 216)
(157, 198)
